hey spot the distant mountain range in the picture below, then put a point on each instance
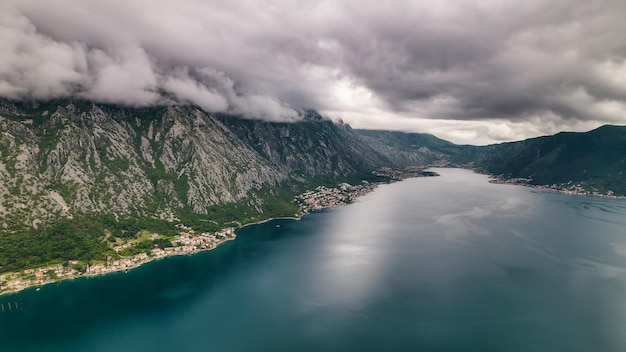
(73, 173)
(594, 159)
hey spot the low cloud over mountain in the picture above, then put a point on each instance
(466, 70)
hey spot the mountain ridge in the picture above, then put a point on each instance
(595, 159)
(75, 174)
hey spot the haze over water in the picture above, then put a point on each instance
(450, 263)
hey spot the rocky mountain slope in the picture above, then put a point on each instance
(409, 149)
(77, 178)
(63, 158)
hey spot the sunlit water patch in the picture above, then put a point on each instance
(449, 263)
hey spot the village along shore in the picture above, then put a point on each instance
(571, 188)
(188, 242)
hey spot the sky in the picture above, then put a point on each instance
(469, 71)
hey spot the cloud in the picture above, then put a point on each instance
(484, 68)
(126, 79)
(34, 65)
(81, 51)
(188, 89)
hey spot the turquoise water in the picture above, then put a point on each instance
(448, 263)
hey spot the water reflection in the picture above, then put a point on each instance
(448, 263)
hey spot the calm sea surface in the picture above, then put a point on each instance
(448, 263)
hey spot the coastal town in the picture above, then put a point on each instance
(345, 193)
(326, 197)
(394, 175)
(572, 188)
(187, 241)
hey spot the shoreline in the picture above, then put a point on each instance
(270, 219)
(574, 190)
(113, 271)
(318, 199)
(497, 180)
(137, 264)
(308, 202)
(10, 291)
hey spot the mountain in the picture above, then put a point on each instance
(77, 177)
(315, 147)
(75, 172)
(91, 158)
(407, 149)
(591, 161)
(594, 159)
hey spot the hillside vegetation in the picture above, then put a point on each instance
(77, 177)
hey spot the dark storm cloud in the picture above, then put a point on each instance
(552, 62)
(492, 60)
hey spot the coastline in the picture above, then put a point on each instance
(320, 198)
(564, 188)
(110, 270)
(270, 219)
(5, 290)
(573, 190)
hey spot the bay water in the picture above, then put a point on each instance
(449, 263)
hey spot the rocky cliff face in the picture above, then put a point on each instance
(314, 147)
(409, 149)
(62, 158)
